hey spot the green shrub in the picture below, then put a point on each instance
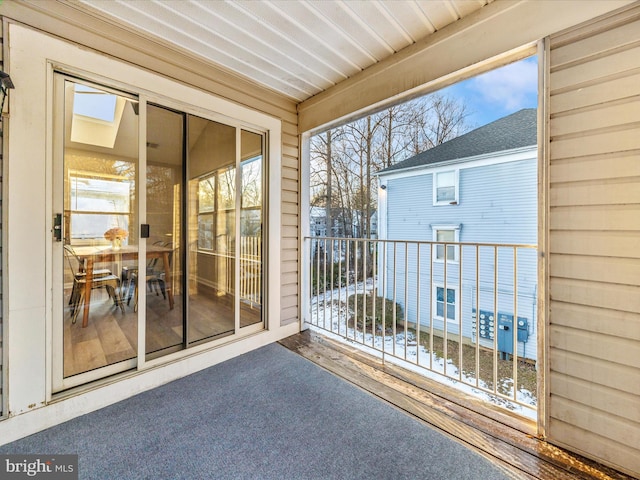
(322, 280)
(373, 305)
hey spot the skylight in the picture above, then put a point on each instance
(94, 103)
(96, 115)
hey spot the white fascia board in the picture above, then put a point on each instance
(493, 158)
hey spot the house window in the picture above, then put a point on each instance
(443, 235)
(445, 304)
(216, 203)
(96, 204)
(445, 187)
(206, 209)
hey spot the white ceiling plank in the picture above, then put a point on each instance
(466, 7)
(278, 52)
(295, 23)
(354, 30)
(411, 18)
(439, 12)
(204, 42)
(295, 47)
(152, 16)
(336, 38)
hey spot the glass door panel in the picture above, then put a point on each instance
(211, 228)
(251, 234)
(204, 192)
(164, 263)
(96, 195)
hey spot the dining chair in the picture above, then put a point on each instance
(155, 277)
(101, 278)
(155, 273)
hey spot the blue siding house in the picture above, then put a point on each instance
(479, 188)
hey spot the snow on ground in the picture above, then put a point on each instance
(329, 314)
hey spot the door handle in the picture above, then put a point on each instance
(57, 227)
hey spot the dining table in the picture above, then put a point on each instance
(92, 255)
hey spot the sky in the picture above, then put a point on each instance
(498, 93)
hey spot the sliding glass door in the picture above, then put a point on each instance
(96, 230)
(250, 229)
(200, 185)
(212, 229)
(164, 265)
(225, 229)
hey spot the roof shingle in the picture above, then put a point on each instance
(513, 131)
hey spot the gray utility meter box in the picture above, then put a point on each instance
(506, 329)
(485, 326)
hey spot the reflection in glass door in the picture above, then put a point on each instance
(225, 204)
(212, 229)
(251, 234)
(95, 200)
(164, 272)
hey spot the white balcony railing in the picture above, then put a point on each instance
(463, 312)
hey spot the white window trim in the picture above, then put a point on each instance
(456, 230)
(456, 185)
(455, 307)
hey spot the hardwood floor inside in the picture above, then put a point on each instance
(505, 439)
(111, 336)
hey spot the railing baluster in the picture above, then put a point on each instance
(355, 283)
(384, 296)
(445, 340)
(515, 324)
(340, 281)
(374, 280)
(477, 315)
(318, 282)
(431, 303)
(406, 298)
(459, 305)
(418, 296)
(324, 282)
(331, 314)
(365, 252)
(395, 298)
(495, 319)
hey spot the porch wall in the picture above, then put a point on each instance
(27, 408)
(590, 228)
(2, 370)
(65, 21)
(594, 231)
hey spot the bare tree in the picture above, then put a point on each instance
(345, 159)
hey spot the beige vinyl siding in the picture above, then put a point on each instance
(594, 240)
(289, 311)
(66, 22)
(2, 372)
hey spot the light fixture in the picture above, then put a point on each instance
(383, 186)
(5, 85)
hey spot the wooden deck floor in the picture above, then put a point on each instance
(506, 440)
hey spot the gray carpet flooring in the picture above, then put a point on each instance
(268, 414)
